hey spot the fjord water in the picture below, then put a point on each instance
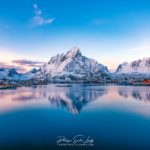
(114, 116)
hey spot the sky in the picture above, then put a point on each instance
(109, 31)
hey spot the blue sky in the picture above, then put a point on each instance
(110, 31)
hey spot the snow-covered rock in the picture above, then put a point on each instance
(72, 66)
(10, 74)
(30, 74)
(141, 66)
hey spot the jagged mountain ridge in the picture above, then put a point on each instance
(72, 65)
(11, 74)
(141, 66)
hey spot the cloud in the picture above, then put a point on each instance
(2, 64)
(39, 19)
(18, 68)
(22, 65)
(28, 63)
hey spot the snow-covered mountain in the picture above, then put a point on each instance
(141, 66)
(30, 74)
(10, 74)
(72, 66)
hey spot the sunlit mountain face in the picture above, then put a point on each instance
(77, 98)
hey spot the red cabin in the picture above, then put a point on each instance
(147, 81)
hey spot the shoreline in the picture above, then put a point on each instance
(68, 84)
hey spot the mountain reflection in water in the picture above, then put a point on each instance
(72, 98)
(137, 93)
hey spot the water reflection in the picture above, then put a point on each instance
(137, 93)
(73, 98)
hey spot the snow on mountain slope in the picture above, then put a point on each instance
(141, 66)
(72, 63)
(30, 74)
(10, 74)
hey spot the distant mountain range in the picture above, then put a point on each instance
(73, 66)
(11, 74)
(137, 66)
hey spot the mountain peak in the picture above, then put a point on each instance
(73, 66)
(75, 51)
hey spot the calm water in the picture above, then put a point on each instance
(113, 116)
